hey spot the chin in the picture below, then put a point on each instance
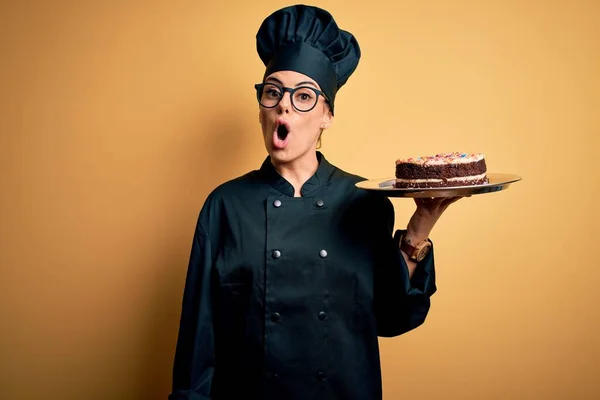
(281, 156)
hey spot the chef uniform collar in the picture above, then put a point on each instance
(315, 182)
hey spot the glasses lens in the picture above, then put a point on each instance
(270, 95)
(304, 98)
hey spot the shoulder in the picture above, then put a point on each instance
(344, 177)
(348, 176)
(341, 178)
(240, 187)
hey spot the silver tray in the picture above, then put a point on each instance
(386, 187)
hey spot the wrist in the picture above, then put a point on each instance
(413, 237)
(414, 248)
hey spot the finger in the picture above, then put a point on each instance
(450, 200)
(423, 201)
(433, 204)
(440, 201)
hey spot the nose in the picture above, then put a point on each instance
(285, 103)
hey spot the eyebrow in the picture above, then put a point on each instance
(298, 84)
(306, 83)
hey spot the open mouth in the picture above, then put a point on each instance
(282, 132)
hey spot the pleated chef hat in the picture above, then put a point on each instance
(307, 40)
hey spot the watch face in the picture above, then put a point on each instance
(423, 252)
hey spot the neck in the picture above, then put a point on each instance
(298, 171)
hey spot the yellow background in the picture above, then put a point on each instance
(119, 117)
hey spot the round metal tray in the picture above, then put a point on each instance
(497, 182)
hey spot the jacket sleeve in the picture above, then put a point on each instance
(194, 361)
(401, 303)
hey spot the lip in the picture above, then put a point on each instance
(283, 122)
(279, 144)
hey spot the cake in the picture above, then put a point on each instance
(441, 170)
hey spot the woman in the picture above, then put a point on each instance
(294, 272)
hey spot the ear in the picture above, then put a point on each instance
(327, 120)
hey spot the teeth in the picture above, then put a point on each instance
(282, 132)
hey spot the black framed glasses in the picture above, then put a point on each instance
(303, 98)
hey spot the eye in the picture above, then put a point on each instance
(304, 95)
(272, 93)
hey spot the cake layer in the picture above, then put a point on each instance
(441, 170)
(443, 158)
(411, 170)
(449, 182)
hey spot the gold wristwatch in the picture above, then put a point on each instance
(415, 253)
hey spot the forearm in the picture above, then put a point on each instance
(193, 367)
(412, 238)
(422, 222)
(403, 293)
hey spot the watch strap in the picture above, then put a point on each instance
(411, 251)
(408, 248)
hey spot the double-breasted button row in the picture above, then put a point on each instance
(319, 203)
(276, 317)
(276, 253)
(274, 376)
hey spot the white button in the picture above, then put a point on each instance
(323, 253)
(277, 203)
